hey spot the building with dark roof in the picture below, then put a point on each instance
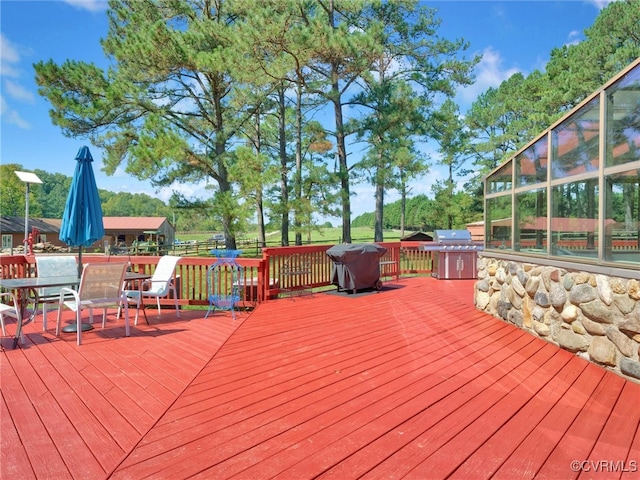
(117, 231)
(418, 237)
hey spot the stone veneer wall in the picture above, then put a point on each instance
(594, 316)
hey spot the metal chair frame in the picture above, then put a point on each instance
(53, 266)
(11, 309)
(101, 286)
(225, 280)
(160, 285)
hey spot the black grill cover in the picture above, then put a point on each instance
(356, 265)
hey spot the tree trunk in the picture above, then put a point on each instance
(262, 239)
(403, 208)
(340, 145)
(284, 184)
(298, 179)
(227, 217)
(379, 222)
(379, 226)
(344, 170)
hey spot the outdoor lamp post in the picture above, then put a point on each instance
(28, 178)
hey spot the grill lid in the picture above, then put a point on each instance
(452, 237)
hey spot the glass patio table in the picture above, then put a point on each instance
(27, 289)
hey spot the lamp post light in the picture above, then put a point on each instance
(28, 178)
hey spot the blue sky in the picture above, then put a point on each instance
(512, 36)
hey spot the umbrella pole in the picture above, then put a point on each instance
(73, 327)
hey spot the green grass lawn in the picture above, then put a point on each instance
(323, 236)
(249, 246)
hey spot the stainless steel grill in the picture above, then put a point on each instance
(455, 254)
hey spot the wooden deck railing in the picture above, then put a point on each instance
(414, 259)
(264, 278)
(14, 266)
(401, 258)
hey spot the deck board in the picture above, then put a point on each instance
(285, 393)
(77, 411)
(583, 433)
(616, 437)
(517, 389)
(631, 462)
(533, 452)
(488, 457)
(34, 443)
(408, 382)
(327, 424)
(411, 393)
(464, 400)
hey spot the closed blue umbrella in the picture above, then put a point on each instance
(82, 218)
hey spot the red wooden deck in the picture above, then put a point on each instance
(408, 382)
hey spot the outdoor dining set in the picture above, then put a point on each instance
(63, 282)
(95, 285)
(69, 283)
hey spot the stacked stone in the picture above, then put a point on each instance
(37, 248)
(594, 316)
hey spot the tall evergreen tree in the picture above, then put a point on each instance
(612, 42)
(412, 68)
(448, 130)
(341, 53)
(163, 107)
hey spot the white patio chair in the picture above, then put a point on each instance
(160, 285)
(10, 309)
(53, 266)
(101, 286)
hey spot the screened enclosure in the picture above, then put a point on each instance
(573, 193)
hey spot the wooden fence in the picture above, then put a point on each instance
(281, 270)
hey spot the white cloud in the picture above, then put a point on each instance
(8, 52)
(17, 91)
(7, 70)
(574, 38)
(14, 118)
(11, 116)
(119, 173)
(189, 190)
(363, 199)
(9, 55)
(490, 72)
(133, 186)
(600, 4)
(91, 5)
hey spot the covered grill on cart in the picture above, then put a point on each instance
(455, 255)
(356, 266)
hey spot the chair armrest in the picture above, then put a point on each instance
(142, 285)
(65, 291)
(147, 285)
(12, 297)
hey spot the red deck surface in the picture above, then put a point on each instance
(410, 382)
